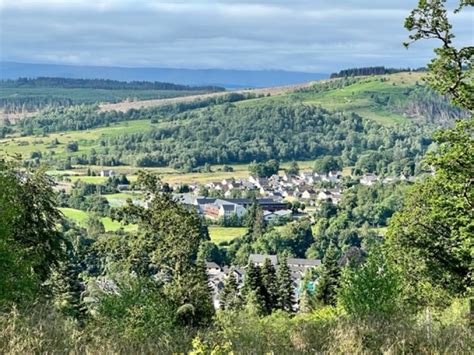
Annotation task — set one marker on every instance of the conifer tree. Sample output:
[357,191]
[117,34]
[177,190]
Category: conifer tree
[252,288]
[258,224]
[66,287]
[230,296]
[255,221]
[306,301]
[269,286]
[285,287]
[328,282]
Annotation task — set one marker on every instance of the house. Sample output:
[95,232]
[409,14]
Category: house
[107,173]
[369,179]
[123,187]
[389,180]
[335,175]
[324,195]
[212,268]
[309,194]
[259,259]
[222,209]
[303,263]
[308,177]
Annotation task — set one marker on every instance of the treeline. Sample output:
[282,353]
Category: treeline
[69,83]
[84,117]
[381,70]
[32,103]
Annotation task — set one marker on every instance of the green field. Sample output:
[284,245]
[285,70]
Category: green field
[358,97]
[217,234]
[86,139]
[225,234]
[80,217]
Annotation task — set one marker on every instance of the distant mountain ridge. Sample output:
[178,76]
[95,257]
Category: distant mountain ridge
[196,77]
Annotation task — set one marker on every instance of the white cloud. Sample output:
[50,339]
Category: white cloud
[311,35]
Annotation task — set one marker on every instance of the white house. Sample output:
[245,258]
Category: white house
[369,179]
[107,173]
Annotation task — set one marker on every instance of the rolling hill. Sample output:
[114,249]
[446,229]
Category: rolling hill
[377,123]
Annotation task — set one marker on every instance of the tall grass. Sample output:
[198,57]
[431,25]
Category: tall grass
[43,330]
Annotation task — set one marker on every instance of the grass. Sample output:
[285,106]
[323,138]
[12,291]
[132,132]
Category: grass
[80,217]
[87,139]
[171,175]
[217,234]
[225,234]
[358,97]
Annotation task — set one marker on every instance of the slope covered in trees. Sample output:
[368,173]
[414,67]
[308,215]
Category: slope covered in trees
[380,124]
[27,95]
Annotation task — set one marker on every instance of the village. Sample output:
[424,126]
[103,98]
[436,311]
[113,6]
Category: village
[282,199]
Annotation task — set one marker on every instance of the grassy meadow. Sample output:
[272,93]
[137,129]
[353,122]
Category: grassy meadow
[80,217]
[217,234]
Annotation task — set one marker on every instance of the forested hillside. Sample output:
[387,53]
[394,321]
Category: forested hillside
[29,95]
[377,124]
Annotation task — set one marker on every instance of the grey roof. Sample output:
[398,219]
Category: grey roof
[204,200]
[212,265]
[260,258]
[228,207]
[305,262]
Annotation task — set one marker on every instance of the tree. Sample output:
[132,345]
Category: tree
[269,286]
[328,283]
[326,164]
[252,287]
[230,295]
[167,242]
[451,70]
[72,147]
[266,169]
[371,289]
[294,169]
[94,225]
[431,237]
[285,287]
[30,242]
[254,221]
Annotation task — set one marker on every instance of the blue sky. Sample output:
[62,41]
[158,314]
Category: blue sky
[303,35]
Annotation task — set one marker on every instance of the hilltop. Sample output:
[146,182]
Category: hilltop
[377,122]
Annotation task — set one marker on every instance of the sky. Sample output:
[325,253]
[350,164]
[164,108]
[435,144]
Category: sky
[319,36]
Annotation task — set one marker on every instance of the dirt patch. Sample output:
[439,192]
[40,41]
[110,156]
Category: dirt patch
[125,106]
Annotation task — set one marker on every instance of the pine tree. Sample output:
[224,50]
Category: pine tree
[328,282]
[230,297]
[254,221]
[269,286]
[197,293]
[306,301]
[258,228]
[285,287]
[252,288]
[66,287]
